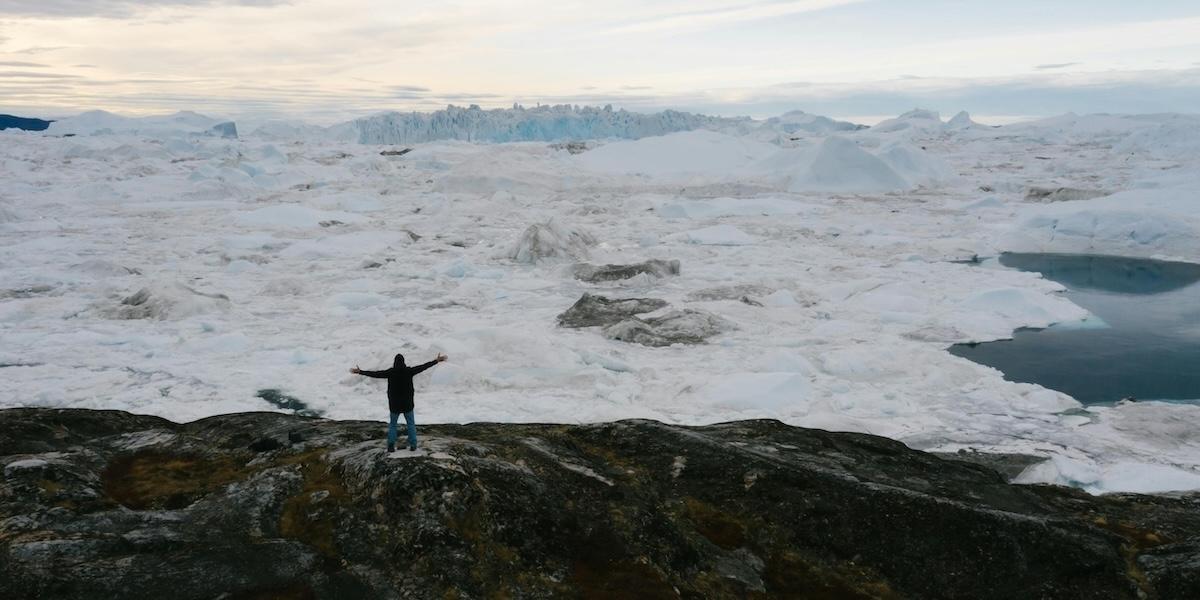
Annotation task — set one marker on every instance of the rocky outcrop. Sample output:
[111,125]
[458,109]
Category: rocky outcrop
[687,326]
[102,504]
[574,147]
[620,321]
[1060,194]
[601,273]
[729,292]
[594,311]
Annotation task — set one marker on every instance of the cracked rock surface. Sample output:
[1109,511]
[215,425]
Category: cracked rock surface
[106,504]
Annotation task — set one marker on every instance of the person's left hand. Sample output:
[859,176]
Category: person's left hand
[356,370]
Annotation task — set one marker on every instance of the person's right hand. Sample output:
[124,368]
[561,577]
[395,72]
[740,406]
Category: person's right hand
[441,357]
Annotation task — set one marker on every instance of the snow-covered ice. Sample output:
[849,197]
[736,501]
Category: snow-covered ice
[153,265]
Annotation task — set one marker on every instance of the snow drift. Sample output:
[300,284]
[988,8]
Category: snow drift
[839,165]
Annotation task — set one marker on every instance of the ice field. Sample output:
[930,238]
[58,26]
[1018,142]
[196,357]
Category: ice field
[157,267]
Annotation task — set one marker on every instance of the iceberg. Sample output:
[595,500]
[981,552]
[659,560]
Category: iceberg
[519,124]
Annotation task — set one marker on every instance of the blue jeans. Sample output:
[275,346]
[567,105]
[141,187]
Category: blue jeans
[412,429]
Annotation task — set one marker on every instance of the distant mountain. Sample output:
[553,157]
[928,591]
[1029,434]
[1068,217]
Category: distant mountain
[520,124]
[12,122]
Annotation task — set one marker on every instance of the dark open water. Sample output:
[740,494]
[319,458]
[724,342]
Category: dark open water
[1149,351]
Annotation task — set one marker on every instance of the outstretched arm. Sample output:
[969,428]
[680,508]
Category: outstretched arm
[419,368]
[376,374]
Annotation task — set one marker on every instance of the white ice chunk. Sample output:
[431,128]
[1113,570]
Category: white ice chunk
[1024,307]
[840,165]
[293,215]
[1143,223]
[775,392]
[717,235]
[361,243]
[1118,476]
[551,241]
[780,298]
[730,207]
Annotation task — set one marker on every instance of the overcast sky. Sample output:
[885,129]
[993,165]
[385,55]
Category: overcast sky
[330,60]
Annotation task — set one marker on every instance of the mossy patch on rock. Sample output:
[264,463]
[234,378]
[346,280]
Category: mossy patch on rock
[717,527]
[153,479]
[620,579]
[1138,540]
[789,576]
[311,516]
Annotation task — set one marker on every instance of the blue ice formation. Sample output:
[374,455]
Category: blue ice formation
[518,124]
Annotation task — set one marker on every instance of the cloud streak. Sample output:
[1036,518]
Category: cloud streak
[110,8]
[1054,66]
[34,75]
[698,20]
[39,49]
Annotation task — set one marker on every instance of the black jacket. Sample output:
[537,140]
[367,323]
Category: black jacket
[400,385]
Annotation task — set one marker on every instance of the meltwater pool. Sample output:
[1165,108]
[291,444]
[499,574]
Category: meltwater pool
[1144,345]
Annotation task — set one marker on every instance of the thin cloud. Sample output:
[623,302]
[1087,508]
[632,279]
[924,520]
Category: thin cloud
[1056,66]
[17,63]
[699,20]
[466,96]
[143,81]
[39,49]
[111,8]
[628,100]
[34,75]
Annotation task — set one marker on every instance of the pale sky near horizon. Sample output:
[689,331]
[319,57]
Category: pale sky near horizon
[331,60]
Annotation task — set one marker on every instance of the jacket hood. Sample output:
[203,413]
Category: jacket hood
[399,361]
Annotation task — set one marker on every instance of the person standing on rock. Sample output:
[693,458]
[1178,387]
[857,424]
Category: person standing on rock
[400,395]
